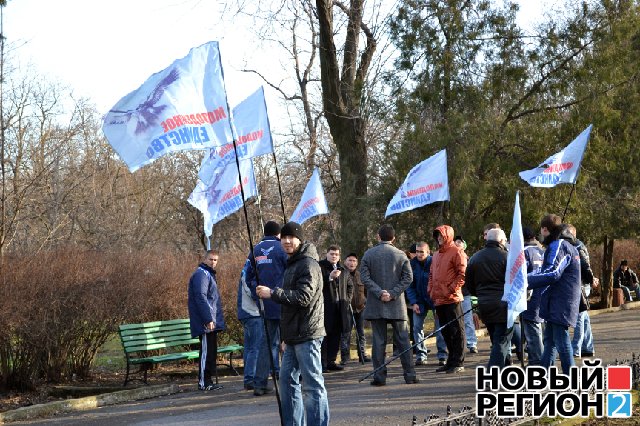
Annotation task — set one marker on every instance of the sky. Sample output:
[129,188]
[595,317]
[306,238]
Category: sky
[106,49]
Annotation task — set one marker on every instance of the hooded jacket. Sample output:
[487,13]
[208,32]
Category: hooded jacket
[301,297]
[417,293]
[447,270]
[560,280]
[204,301]
[271,260]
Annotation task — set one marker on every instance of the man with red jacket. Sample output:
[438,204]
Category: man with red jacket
[445,283]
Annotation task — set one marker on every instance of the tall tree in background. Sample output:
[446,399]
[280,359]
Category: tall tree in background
[342,94]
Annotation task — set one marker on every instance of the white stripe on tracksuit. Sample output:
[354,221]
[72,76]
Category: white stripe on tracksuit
[203,360]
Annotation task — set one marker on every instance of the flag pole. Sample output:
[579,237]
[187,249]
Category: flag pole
[573,187]
[252,257]
[275,163]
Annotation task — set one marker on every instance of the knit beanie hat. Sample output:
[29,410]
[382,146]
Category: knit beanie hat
[292,229]
[271,228]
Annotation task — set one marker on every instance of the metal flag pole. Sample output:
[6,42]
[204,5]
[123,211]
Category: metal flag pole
[573,187]
[416,344]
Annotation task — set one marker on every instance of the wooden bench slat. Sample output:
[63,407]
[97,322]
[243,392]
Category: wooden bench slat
[154,346]
[167,357]
[135,331]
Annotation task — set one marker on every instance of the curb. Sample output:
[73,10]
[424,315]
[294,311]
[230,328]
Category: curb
[86,403]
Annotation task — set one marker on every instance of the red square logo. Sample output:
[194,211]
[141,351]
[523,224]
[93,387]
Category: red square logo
[619,378]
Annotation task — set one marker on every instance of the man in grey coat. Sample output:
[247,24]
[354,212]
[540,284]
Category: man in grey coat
[386,273]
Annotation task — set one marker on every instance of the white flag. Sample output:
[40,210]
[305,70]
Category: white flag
[515,280]
[426,183]
[562,167]
[222,196]
[251,124]
[313,202]
[179,108]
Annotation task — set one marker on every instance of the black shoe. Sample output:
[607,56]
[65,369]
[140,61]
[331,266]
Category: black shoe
[332,366]
[442,368]
[262,391]
[442,361]
[473,350]
[411,380]
[343,361]
[375,382]
[588,354]
[210,387]
[458,369]
[421,362]
[248,386]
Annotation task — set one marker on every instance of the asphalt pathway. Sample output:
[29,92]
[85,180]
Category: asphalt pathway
[617,336]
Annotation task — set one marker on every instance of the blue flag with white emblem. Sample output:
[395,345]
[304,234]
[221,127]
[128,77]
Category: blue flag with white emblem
[562,167]
[180,108]
[426,183]
[515,280]
[313,202]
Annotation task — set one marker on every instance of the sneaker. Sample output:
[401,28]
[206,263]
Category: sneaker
[458,369]
[473,350]
[375,382]
[210,387]
[261,391]
[421,362]
[441,369]
[411,380]
[332,366]
[442,361]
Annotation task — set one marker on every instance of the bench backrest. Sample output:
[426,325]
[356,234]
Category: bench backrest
[156,335]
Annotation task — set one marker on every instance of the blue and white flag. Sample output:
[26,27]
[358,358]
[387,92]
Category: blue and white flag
[179,108]
[562,167]
[515,279]
[251,124]
[313,202]
[426,183]
[222,195]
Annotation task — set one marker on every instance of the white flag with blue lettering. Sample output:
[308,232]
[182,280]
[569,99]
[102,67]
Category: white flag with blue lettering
[251,124]
[426,183]
[562,167]
[222,195]
[180,108]
[313,202]
[515,280]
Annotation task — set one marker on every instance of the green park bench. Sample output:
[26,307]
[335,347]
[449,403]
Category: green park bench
[143,342]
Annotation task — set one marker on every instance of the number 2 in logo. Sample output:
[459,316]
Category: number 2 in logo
[619,404]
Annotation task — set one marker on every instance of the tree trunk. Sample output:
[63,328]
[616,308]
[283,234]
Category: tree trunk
[606,292]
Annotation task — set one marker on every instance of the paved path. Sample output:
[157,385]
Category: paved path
[617,336]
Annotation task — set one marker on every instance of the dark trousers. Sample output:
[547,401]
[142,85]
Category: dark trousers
[501,337]
[208,355]
[331,344]
[345,343]
[379,345]
[453,334]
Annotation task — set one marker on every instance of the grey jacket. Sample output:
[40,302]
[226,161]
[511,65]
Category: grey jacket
[384,267]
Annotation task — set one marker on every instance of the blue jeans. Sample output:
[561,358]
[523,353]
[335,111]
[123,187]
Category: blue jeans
[556,342]
[500,343]
[263,368]
[418,336]
[253,332]
[308,400]
[582,337]
[533,336]
[469,326]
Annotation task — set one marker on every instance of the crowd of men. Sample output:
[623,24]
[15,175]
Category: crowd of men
[299,312]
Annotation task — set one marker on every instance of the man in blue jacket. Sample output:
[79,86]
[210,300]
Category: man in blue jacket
[271,261]
[205,316]
[560,279]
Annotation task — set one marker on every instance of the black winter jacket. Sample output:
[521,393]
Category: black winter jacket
[485,279]
[301,297]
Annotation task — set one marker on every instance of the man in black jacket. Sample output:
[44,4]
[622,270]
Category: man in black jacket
[302,330]
[485,279]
